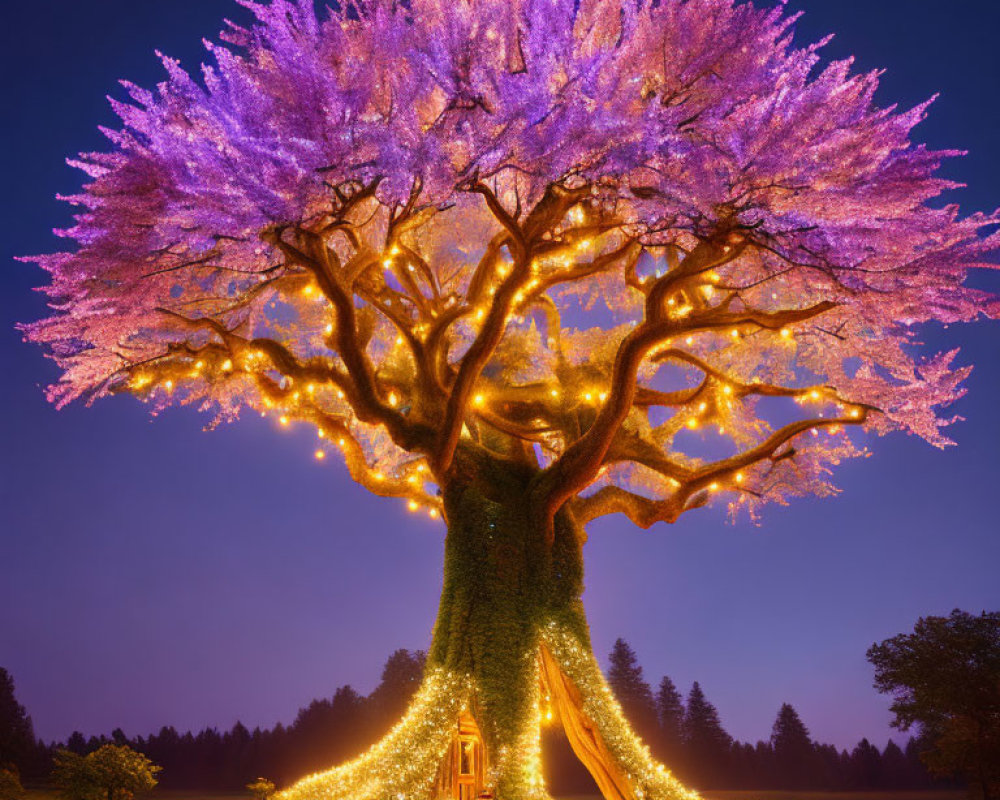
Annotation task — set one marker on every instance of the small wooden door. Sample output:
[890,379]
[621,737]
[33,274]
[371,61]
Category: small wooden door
[468,759]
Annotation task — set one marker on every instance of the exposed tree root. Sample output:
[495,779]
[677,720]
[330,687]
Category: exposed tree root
[598,732]
[403,765]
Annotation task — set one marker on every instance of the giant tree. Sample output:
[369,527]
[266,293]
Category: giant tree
[522,264]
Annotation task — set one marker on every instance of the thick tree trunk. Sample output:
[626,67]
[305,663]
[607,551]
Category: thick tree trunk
[510,638]
[502,585]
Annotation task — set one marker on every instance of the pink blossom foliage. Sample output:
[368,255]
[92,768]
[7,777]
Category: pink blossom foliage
[684,121]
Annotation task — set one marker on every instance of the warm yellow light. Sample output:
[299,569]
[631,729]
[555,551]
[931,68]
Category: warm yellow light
[320,455]
[433,513]
[478,400]
[387,263]
[692,423]
[311,388]
[588,397]
[554,392]
[814,394]
[734,333]
[413,505]
[320,433]
[786,333]
[702,407]
[283,419]
[399,341]
[199,365]
[393,399]
[739,477]
[855,413]
[480,313]
[329,329]
[727,389]
[713,487]
[603,396]
[169,385]
[689,340]
[227,365]
[394,251]
[377,475]
[341,442]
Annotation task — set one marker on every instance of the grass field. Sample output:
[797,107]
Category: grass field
[763,795]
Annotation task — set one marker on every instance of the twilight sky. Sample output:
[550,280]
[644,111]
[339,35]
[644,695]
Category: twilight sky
[152,573]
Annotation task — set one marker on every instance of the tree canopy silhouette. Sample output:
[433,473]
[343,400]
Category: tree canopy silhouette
[522,264]
[945,678]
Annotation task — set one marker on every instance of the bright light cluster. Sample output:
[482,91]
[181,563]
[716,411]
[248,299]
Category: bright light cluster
[404,763]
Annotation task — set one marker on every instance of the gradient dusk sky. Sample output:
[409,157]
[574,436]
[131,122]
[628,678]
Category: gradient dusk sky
[154,574]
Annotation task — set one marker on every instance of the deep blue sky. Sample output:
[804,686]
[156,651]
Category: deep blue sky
[152,573]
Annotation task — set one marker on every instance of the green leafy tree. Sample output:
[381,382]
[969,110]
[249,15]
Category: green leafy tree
[10,784]
[261,788]
[112,772]
[945,678]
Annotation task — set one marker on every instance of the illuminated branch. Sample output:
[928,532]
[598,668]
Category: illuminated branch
[709,478]
[368,404]
[550,209]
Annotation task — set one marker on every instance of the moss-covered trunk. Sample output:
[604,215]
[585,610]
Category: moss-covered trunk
[502,583]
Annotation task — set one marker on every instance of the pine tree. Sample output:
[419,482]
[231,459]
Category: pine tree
[794,752]
[17,735]
[633,693]
[400,678]
[866,766]
[670,715]
[705,739]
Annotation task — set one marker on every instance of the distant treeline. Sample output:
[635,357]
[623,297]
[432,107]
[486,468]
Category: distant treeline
[685,733]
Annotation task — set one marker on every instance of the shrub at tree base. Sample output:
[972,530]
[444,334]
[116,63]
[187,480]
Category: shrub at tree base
[112,772]
[522,264]
[261,788]
[10,785]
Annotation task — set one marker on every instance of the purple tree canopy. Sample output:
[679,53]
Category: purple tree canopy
[656,250]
